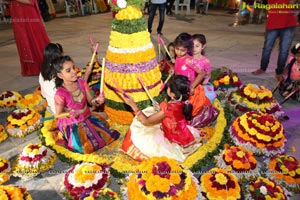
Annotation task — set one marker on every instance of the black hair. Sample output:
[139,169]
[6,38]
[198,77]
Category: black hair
[57,68]
[296,49]
[201,38]
[185,40]
[51,52]
[180,86]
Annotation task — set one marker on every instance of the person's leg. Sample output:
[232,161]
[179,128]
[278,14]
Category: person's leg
[286,38]
[152,11]
[162,8]
[270,39]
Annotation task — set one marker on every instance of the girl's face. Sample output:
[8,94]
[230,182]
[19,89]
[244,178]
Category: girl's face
[198,47]
[170,94]
[180,51]
[68,72]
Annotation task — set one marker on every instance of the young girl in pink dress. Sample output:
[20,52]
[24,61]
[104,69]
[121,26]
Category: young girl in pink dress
[292,71]
[167,132]
[186,65]
[84,131]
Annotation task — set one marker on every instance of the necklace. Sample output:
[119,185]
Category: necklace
[76,93]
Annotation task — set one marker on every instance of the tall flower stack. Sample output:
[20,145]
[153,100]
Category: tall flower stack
[81,179]
[22,122]
[161,178]
[3,133]
[259,132]
[9,100]
[33,160]
[219,184]
[266,189]
[14,193]
[239,161]
[285,169]
[251,97]
[130,55]
[34,101]
[4,170]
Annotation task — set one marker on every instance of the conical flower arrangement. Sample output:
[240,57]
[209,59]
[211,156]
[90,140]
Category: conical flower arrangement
[130,55]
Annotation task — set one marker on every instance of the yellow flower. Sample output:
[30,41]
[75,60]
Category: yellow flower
[221,178]
[216,83]
[235,79]
[240,154]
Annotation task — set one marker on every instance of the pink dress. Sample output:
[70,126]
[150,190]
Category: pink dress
[30,36]
[88,132]
[204,64]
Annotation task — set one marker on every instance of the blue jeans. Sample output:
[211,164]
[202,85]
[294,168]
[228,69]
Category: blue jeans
[286,36]
[161,8]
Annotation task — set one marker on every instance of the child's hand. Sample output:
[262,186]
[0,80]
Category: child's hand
[74,114]
[128,100]
[173,60]
[100,99]
[192,91]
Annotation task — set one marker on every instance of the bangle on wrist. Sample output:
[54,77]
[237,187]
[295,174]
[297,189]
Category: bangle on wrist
[137,112]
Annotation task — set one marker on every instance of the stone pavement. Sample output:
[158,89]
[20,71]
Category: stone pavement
[237,47]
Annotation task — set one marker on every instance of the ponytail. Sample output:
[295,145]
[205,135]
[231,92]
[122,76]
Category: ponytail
[187,110]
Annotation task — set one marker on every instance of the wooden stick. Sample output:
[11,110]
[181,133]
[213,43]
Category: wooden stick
[91,41]
[276,86]
[145,88]
[158,39]
[94,54]
[102,76]
[165,47]
[62,115]
[164,84]
[290,95]
[118,87]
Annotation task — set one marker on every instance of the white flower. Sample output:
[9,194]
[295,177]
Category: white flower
[121,3]
[263,190]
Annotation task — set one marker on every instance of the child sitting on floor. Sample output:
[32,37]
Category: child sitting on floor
[292,70]
[85,131]
[167,132]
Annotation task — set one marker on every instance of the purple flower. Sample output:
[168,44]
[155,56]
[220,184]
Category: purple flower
[162,169]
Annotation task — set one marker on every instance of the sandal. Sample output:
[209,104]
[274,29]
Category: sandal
[258,72]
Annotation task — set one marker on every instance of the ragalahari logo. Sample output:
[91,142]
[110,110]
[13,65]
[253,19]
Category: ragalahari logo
[246,8]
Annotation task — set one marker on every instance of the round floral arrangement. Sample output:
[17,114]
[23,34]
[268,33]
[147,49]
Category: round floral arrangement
[34,159]
[85,177]
[4,171]
[105,194]
[219,184]
[3,133]
[252,97]
[161,178]
[34,101]
[285,169]
[259,132]
[238,160]
[22,122]
[9,100]
[266,189]
[224,78]
[14,193]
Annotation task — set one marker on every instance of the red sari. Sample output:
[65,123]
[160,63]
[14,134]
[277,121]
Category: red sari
[30,36]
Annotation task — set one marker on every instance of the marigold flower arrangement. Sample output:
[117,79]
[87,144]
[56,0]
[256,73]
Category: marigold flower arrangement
[105,194]
[33,160]
[252,97]
[161,178]
[84,178]
[9,100]
[239,160]
[266,189]
[219,184]
[33,101]
[14,193]
[4,170]
[285,169]
[22,122]
[224,78]
[3,133]
[95,74]
[259,132]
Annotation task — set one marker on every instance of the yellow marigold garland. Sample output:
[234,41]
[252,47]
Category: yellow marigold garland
[138,57]
[129,13]
[120,40]
[9,100]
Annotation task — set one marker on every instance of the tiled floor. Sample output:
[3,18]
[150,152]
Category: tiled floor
[238,48]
